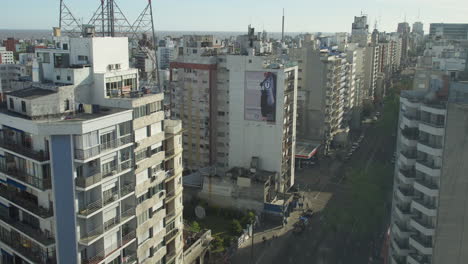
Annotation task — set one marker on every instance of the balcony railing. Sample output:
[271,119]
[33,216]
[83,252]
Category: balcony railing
[23,150]
[92,207]
[171,234]
[423,223]
[111,249]
[34,233]
[427,184]
[429,164]
[43,184]
[28,252]
[83,154]
[96,177]
[24,202]
[436,124]
[430,144]
[426,204]
[131,257]
[427,243]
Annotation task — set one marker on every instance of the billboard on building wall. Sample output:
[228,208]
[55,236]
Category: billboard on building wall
[260,96]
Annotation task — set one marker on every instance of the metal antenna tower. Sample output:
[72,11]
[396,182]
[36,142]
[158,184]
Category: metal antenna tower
[68,24]
[147,44]
[109,20]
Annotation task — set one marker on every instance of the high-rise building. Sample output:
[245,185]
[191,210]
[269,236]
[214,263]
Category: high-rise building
[418,28]
[449,31]
[360,31]
[324,94]
[429,194]
[404,31]
[10,44]
[90,168]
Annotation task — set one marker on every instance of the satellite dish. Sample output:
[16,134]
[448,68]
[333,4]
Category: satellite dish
[200,212]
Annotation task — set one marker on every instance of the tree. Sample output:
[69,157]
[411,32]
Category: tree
[235,227]
[195,226]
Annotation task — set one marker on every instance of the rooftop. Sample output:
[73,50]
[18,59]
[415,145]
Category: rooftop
[31,93]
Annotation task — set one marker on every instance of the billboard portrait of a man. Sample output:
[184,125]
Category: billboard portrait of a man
[260,96]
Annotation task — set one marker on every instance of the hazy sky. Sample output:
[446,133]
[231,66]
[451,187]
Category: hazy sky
[235,15]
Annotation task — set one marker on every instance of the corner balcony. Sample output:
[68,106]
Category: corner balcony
[408,158]
[427,167]
[23,201]
[405,195]
[400,247]
[410,121]
[424,207]
[84,154]
[403,212]
[423,246]
[406,176]
[418,259]
[399,229]
[426,187]
[22,150]
[422,226]
[21,245]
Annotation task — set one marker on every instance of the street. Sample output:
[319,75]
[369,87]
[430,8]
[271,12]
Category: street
[322,186]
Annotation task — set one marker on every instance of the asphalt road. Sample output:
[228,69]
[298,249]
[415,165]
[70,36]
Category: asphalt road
[322,186]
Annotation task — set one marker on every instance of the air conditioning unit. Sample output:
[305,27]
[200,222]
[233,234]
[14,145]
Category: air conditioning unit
[153,178]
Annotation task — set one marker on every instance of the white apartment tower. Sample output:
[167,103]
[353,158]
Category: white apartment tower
[430,184]
[90,169]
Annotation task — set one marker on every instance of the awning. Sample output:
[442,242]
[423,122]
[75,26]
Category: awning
[306,150]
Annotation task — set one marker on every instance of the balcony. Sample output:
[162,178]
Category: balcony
[429,148]
[170,257]
[25,249]
[29,231]
[106,252]
[424,246]
[433,128]
[401,230]
[405,195]
[89,236]
[410,121]
[96,177]
[418,259]
[18,148]
[426,187]
[428,167]
[170,235]
[424,207]
[400,247]
[406,176]
[94,206]
[403,212]
[25,202]
[408,158]
[84,154]
[422,226]
[40,183]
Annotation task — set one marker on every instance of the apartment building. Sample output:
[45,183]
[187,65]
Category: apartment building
[6,57]
[90,169]
[326,84]
[360,31]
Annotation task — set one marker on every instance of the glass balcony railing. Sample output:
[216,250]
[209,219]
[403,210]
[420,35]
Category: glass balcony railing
[96,177]
[40,183]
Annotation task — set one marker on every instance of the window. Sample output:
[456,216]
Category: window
[65,46]
[83,58]
[140,155]
[67,105]
[125,128]
[23,106]
[12,104]
[68,78]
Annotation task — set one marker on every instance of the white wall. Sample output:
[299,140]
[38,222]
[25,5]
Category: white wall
[253,138]
[106,50]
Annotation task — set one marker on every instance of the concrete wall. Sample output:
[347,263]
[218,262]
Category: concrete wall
[253,138]
[451,242]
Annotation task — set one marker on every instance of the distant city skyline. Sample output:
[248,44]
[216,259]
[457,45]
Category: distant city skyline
[211,15]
